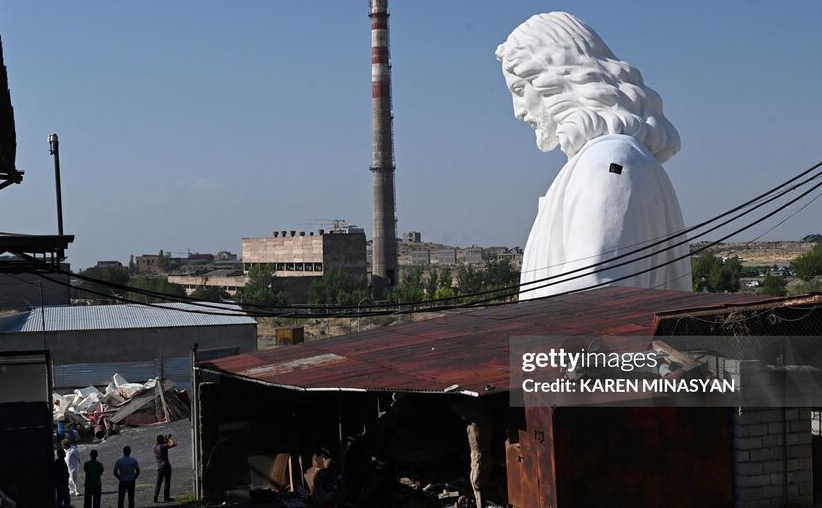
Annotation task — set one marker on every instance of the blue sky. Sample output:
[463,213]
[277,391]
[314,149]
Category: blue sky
[189,125]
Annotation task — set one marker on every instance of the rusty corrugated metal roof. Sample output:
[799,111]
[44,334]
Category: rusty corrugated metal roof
[468,349]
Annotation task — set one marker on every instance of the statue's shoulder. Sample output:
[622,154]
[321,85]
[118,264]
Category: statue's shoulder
[610,152]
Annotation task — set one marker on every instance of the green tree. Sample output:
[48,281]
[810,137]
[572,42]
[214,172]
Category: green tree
[113,275]
[469,280]
[711,273]
[410,288]
[499,274]
[774,285]
[808,265]
[260,288]
[336,287]
[432,283]
[157,285]
[444,292]
[446,278]
[210,294]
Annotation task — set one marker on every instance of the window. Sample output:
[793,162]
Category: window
[318,267]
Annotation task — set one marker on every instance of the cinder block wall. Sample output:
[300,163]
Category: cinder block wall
[772,456]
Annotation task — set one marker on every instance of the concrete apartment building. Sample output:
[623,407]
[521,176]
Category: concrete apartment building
[227,279]
[300,258]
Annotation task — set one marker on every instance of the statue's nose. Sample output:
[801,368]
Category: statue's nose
[519,109]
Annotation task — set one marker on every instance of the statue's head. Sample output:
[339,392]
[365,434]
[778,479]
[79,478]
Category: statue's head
[568,85]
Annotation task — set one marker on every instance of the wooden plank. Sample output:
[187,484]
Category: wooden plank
[540,428]
[529,476]
[513,466]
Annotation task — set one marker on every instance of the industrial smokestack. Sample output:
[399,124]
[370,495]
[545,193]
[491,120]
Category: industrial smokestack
[384,248]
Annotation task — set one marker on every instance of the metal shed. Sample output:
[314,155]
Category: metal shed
[333,393]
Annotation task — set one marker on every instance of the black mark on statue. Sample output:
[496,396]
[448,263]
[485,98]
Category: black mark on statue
[615,168]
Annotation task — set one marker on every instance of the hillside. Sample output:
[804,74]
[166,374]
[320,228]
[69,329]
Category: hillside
[759,253]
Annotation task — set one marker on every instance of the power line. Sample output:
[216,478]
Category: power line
[388,308]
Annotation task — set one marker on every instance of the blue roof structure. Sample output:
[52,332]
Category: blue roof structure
[109,317]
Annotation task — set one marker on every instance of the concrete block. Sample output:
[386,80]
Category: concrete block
[760,429]
[806,463]
[799,451]
[776,453]
[748,443]
[772,491]
[776,427]
[803,425]
[773,466]
[749,469]
[749,493]
[804,475]
[763,454]
[772,440]
[747,417]
[776,479]
[792,439]
[760,480]
[805,488]
[793,465]
[742,455]
[792,413]
[803,438]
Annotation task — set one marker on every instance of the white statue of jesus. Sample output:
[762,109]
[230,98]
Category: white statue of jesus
[612,196]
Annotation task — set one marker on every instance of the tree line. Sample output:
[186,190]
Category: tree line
[714,274]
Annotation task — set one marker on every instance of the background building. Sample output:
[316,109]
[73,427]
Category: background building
[297,259]
[446,256]
[412,237]
[226,279]
[420,257]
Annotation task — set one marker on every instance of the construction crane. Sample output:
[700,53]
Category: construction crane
[337,225]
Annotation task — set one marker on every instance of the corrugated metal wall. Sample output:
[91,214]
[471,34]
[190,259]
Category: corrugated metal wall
[79,375]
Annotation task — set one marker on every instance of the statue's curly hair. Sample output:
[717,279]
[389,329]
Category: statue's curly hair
[587,90]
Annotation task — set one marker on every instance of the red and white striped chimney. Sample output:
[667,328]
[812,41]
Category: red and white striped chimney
[384,247]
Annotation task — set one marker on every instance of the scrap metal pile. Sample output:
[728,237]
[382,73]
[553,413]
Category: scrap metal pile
[121,403]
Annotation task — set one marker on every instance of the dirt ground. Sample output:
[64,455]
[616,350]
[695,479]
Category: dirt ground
[142,441]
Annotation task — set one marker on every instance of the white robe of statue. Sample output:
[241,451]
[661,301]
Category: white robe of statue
[613,196]
[591,214]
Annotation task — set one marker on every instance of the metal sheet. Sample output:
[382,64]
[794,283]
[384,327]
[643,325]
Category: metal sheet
[469,349]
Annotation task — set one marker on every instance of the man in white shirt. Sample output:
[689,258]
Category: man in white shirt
[73,464]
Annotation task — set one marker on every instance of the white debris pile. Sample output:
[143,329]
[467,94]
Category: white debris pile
[90,401]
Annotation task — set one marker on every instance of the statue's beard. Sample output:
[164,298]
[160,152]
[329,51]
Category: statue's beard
[546,132]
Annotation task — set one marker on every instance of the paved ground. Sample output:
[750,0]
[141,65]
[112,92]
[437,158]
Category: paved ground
[142,441]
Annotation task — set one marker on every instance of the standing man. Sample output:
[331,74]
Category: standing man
[163,466]
[126,469]
[73,464]
[93,484]
[61,478]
